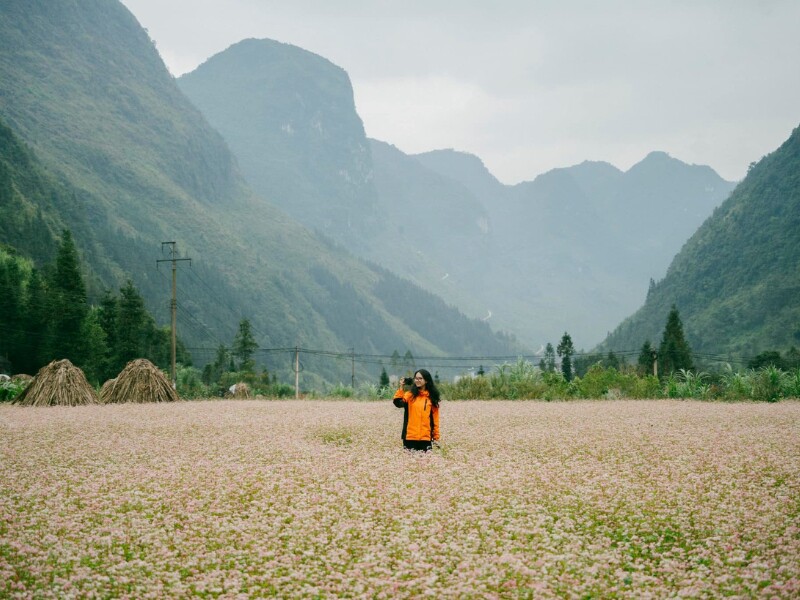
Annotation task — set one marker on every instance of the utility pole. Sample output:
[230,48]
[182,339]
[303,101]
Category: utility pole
[296,373]
[174,304]
[353,368]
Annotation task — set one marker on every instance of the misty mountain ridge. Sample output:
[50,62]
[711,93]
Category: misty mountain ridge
[574,249]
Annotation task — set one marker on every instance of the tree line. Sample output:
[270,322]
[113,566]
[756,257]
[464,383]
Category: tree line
[45,316]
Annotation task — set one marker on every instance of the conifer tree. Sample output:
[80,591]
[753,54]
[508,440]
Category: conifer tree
[565,350]
[244,344]
[107,317]
[646,358]
[674,353]
[36,318]
[408,361]
[221,361]
[11,309]
[548,363]
[68,308]
[96,365]
[132,326]
[384,379]
[612,361]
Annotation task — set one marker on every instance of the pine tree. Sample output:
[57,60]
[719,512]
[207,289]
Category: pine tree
[68,308]
[95,366]
[548,363]
[132,327]
[384,379]
[107,316]
[36,320]
[674,353]
[213,371]
[647,356]
[244,344]
[408,361]
[11,310]
[565,351]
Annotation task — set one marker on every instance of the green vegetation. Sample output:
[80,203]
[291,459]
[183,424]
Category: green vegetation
[736,280]
[674,353]
[523,381]
[565,350]
[244,344]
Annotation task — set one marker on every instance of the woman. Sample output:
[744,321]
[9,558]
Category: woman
[421,411]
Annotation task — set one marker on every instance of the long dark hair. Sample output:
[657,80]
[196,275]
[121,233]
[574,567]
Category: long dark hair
[433,392]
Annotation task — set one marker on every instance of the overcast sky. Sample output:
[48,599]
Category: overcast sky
[531,85]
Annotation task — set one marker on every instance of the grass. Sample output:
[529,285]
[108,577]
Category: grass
[584,499]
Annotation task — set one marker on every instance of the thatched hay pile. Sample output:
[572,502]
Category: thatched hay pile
[237,390]
[242,390]
[58,384]
[139,382]
[104,389]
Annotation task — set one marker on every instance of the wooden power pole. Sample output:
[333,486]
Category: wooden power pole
[174,304]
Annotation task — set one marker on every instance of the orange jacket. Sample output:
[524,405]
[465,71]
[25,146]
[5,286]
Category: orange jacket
[421,418]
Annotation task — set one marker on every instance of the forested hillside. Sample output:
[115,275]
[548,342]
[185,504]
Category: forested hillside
[736,282]
[27,194]
[133,164]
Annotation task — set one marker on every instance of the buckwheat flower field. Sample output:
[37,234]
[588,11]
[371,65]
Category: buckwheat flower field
[595,499]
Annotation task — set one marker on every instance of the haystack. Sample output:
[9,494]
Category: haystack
[242,390]
[104,388]
[139,382]
[58,384]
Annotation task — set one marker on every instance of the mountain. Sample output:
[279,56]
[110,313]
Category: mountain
[84,92]
[572,250]
[318,168]
[584,241]
[736,281]
[467,169]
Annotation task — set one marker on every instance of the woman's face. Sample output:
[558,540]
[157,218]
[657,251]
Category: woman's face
[419,381]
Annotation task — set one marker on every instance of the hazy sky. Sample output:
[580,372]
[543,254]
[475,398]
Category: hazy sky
[531,85]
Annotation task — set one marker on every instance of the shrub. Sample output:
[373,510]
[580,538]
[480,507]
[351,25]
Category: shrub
[341,391]
[468,388]
[281,390]
[768,384]
[190,383]
[792,385]
[10,390]
[597,382]
[735,385]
